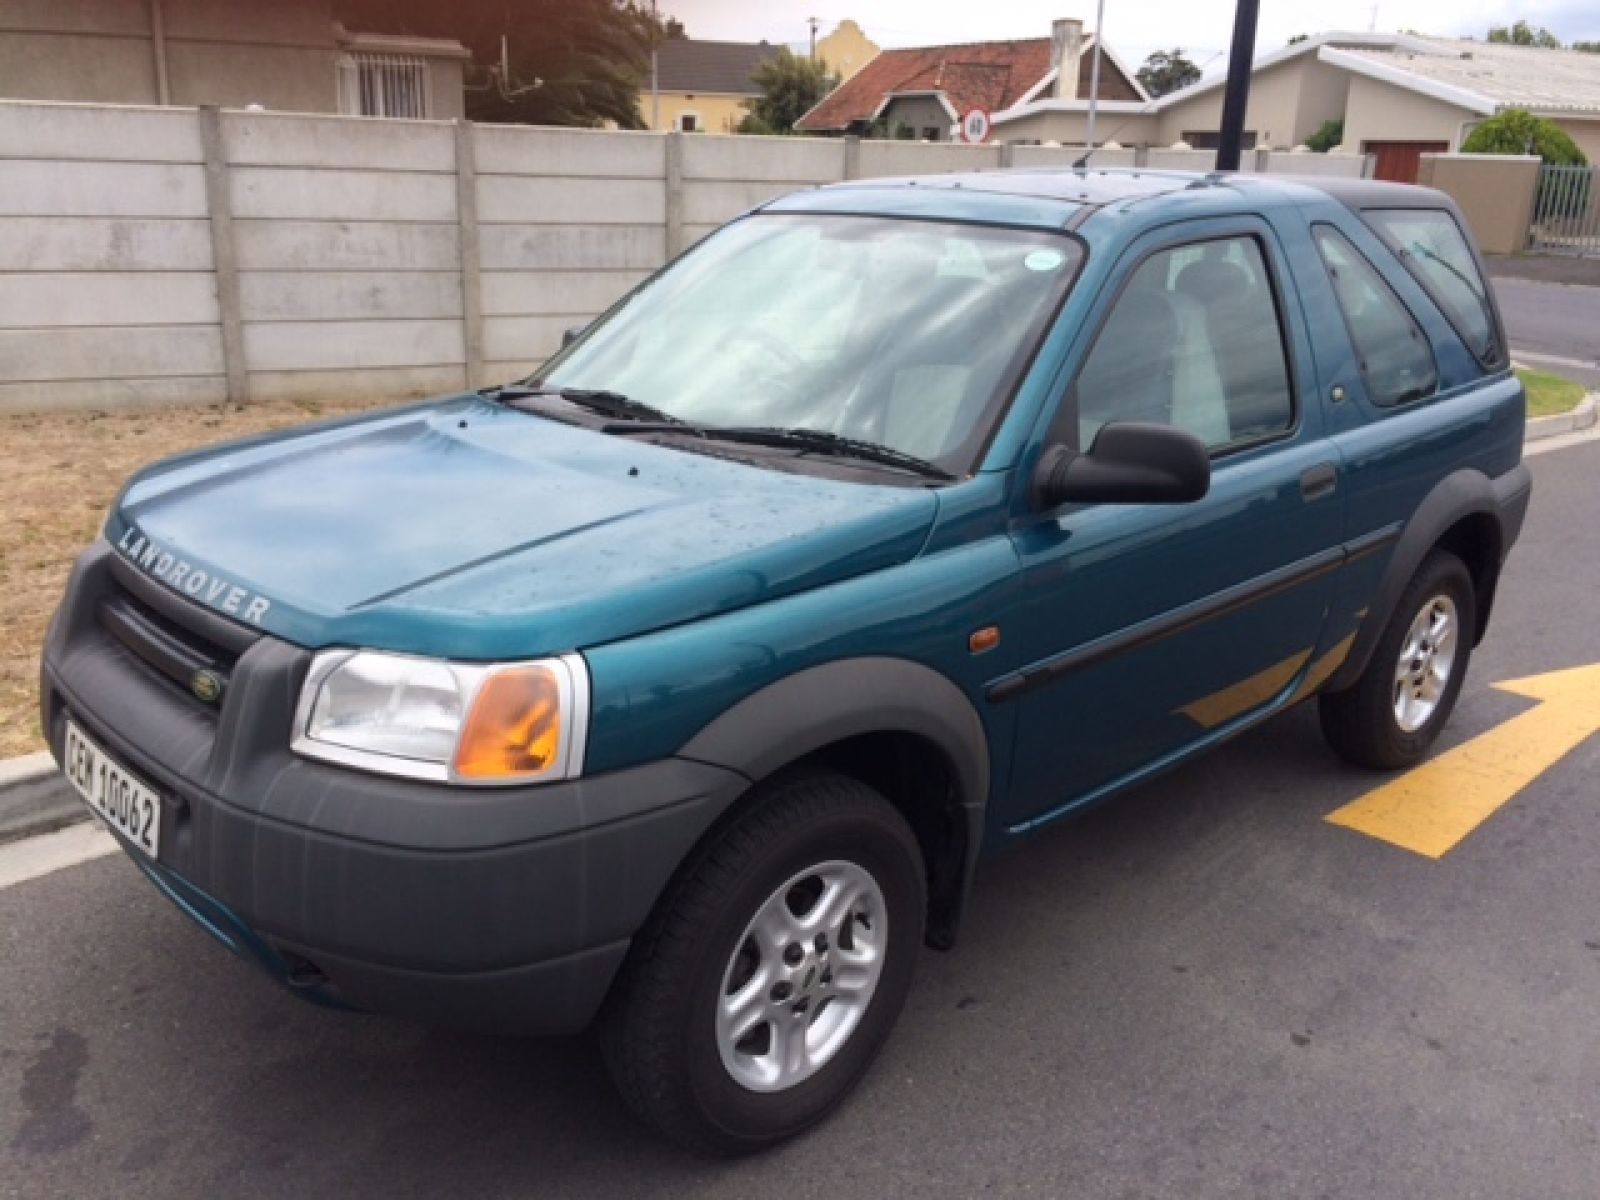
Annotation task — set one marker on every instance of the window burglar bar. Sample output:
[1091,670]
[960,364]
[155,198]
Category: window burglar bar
[384,85]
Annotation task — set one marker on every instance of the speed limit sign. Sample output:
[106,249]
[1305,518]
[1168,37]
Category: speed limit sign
[975,126]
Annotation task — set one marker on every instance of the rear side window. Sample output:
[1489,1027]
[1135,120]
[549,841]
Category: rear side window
[1396,360]
[1193,341]
[1431,245]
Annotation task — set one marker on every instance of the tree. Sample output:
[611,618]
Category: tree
[1586,47]
[790,87]
[1517,131]
[542,62]
[1523,34]
[1330,135]
[1167,71]
[1298,38]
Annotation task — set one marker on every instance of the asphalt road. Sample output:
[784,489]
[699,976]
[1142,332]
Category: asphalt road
[1553,326]
[1202,990]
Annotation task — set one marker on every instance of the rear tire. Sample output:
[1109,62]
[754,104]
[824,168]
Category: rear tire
[1391,716]
[814,853]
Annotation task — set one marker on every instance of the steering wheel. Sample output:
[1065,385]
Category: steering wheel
[781,384]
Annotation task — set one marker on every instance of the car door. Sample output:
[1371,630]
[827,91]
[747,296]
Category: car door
[1152,629]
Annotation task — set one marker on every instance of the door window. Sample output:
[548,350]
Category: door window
[1396,360]
[1193,341]
[1430,244]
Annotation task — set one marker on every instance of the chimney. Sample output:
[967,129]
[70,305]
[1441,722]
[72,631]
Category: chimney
[1066,48]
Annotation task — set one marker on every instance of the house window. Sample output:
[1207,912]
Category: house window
[383,85]
[1209,139]
[930,133]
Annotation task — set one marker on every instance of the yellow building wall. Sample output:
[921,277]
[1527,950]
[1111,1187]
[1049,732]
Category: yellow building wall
[718,113]
[1288,103]
[1380,112]
[846,50]
[1586,134]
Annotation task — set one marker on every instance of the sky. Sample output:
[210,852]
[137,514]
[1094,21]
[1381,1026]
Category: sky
[1203,28]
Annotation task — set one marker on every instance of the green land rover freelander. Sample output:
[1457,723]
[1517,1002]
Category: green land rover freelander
[680,686]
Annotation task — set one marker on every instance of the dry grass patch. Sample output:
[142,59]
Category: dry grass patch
[58,475]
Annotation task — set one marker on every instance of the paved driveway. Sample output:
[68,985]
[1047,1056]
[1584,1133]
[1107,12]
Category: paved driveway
[1552,325]
[1203,990]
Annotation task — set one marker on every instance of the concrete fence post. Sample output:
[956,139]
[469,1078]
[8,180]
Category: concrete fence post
[1008,155]
[852,157]
[219,204]
[1141,157]
[471,255]
[674,194]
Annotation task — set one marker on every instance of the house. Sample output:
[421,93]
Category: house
[702,86]
[289,55]
[847,49]
[1399,96]
[927,89]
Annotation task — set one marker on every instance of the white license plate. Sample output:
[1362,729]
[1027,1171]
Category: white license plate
[123,802]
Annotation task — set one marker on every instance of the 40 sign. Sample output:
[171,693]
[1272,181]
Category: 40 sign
[975,127]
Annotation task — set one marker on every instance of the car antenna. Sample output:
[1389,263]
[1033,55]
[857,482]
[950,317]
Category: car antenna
[1083,159]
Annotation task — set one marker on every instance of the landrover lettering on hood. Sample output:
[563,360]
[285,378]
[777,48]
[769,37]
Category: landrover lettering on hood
[183,576]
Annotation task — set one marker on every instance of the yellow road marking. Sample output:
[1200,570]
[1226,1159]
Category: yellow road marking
[1430,809]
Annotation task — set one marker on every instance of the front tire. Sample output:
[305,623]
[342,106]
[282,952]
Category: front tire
[771,973]
[1390,717]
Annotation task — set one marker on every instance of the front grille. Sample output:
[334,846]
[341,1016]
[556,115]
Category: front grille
[187,647]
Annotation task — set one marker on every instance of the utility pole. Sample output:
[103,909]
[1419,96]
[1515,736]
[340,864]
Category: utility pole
[655,74]
[1094,73]
[813,22]
[1236,97]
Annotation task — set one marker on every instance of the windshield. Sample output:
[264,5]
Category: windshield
[907,334]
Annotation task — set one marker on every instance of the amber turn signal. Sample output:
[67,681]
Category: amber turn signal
[514,727]
[983,639]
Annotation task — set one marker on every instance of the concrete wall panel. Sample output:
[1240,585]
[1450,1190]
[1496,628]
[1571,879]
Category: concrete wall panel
[308,194]
[780,160]
[713,203]
[324,345]
[54,131]
[527,339]
[541,200]
[153,351]
[572,247]
[346,246]
[42,300]
[536,150]
[110,395]
[104,244]
[276,140]
[529,293]
[35,187]
[395,385]
[343,295]
[924,158]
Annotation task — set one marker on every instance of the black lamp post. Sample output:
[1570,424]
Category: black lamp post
[1237,95]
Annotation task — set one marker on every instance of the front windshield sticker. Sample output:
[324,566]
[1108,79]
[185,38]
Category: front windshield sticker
[1044,260]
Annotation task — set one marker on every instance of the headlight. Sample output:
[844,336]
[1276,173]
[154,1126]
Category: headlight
[474,723]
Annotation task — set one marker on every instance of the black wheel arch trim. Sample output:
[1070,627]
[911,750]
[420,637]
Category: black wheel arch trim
[1462,494]
[832,702]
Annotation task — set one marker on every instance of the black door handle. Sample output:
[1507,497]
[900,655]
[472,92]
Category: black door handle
[1319,481]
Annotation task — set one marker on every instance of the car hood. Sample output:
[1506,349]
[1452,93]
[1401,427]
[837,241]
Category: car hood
[466,529]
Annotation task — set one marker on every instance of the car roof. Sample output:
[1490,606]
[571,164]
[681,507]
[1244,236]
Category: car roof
[1066,197]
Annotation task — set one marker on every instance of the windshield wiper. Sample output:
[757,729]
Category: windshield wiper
[598,400]
[810,441]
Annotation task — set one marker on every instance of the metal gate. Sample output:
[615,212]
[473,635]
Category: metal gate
[1566,211]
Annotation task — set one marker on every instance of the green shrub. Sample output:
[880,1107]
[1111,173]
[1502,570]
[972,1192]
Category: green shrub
[1517,131]
[1330,135]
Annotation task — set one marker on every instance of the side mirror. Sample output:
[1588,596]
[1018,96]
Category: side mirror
[568,336]
[1129,463]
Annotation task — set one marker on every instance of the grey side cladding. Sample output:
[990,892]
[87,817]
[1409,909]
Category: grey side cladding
[1466,493]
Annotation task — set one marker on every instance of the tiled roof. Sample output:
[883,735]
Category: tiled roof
[691,65]
[989,75]
[1509,76]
